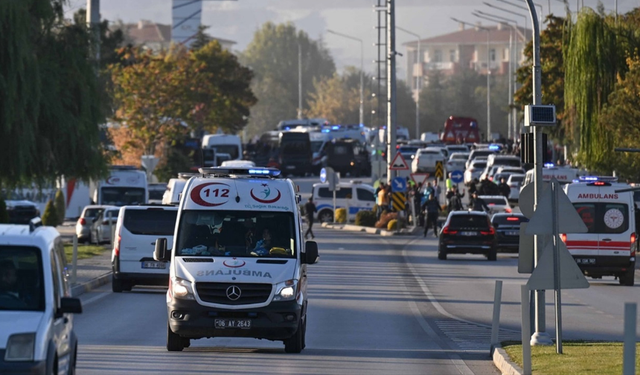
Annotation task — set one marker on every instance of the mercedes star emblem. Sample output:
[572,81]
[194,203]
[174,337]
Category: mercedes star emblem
[233,292]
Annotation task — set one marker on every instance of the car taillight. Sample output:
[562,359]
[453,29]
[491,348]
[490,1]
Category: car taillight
[491,231]
[563,237]
[116,249]
[82,221]
[446,230]
[633,246]
[508,210]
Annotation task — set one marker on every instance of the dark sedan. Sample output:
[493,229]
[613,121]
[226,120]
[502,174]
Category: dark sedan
[508,230]
[467,232]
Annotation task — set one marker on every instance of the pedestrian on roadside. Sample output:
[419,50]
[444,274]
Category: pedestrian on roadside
[505,190]
[432,208]
[309,210]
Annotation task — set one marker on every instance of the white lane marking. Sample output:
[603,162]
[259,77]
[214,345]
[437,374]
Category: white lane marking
[94,299]
[455,359]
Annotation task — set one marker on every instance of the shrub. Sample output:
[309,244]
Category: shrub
[385,218]
[4,214]
[341,215]
[61,207]
[50,217]
[366,218]
[392,224]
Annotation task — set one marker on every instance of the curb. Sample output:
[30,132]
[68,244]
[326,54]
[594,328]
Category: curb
[382,232]
[502,361]
[90,285]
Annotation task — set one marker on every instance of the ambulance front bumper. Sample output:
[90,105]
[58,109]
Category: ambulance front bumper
[276,321]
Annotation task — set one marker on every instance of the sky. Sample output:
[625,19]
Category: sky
[238,20]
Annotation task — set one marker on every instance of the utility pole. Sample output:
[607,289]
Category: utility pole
[93,21]
[299,81]
[540,337]
[391,88]
[418,79]
[489,87]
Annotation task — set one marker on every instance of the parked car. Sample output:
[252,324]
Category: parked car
[479,152]
[507,226]
[467,232]
[137,229]
[85,221]
[514,182]
[36,313]
[21,211]
[457,148]
[102,224]
[425,160]
[474,170]
[496,203]
[457,161]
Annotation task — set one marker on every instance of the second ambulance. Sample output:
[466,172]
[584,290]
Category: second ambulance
[609,248]
[238,263]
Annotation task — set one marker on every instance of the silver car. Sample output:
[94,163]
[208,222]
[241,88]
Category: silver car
[83,225]
[103,224]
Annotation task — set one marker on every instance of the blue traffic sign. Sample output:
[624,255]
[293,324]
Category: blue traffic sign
[399,185]
[323,175]
[457,176]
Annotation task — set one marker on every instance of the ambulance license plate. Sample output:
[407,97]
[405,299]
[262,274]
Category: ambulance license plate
[232,323]
[154,265]
[586,261]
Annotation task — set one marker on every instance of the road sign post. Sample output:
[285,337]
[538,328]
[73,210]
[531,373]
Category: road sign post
[556,269]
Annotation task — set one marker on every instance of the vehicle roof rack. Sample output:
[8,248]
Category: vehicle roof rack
[240,171]
[34,223]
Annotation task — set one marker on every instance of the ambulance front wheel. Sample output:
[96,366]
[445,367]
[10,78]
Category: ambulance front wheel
[325,216]
[174,341]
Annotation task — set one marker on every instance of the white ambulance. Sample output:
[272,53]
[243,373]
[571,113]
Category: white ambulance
[238,263]
[609,248]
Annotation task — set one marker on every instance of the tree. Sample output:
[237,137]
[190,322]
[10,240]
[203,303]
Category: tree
[553,75]
[338,98]
[60,206]
[50,217]
[201,39]
[621,117]
[272,55]
[591,65]
[49,122]
[162,97]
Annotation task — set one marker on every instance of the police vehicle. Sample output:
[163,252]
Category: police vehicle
[238,263]
[354,195]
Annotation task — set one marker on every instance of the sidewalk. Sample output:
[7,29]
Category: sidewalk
[91,273]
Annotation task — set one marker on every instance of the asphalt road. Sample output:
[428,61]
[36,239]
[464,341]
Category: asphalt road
[367,315]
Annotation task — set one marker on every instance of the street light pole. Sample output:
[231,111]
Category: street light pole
[418,79]
[299,81]
[488,135]
[361,70]
[93,21]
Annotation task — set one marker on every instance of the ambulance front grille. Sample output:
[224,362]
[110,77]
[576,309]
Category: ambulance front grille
[218,293]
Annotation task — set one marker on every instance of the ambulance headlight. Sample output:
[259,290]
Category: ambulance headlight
[20,347]
[181,288]
[286,291]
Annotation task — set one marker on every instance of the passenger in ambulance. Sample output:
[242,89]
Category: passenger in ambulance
[264,245]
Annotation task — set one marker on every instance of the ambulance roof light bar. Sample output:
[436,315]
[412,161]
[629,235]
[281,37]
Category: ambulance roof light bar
[241,171]
[598,178]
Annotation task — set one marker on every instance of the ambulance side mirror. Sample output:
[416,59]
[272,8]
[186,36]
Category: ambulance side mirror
[160,252]
[310,256]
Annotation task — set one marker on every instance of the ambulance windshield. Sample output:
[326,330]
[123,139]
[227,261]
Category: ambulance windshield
[236,234]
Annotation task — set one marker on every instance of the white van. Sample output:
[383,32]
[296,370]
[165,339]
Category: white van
[224,144]
[355,195]
[125,185]
[564,175]
[238,261]
[36,321]
[174,188]
[609,248]
[132,255]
